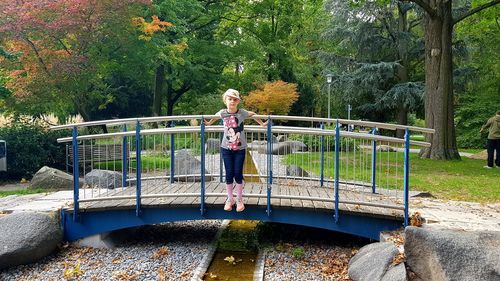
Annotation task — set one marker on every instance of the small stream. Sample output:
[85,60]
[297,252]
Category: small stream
[236,253]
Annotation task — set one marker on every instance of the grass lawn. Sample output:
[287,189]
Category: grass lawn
[148,163]
[465,180]
[21,192]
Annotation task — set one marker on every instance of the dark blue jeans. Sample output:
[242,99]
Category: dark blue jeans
[233,162]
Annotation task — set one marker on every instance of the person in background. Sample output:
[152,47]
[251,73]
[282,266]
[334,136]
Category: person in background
[493,126]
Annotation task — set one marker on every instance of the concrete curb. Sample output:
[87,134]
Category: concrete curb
[205,262]
[258,274]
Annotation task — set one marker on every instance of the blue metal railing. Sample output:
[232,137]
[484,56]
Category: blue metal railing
[269,158]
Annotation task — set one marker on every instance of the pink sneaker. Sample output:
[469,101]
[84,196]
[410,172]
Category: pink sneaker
[229,205]
[240,206]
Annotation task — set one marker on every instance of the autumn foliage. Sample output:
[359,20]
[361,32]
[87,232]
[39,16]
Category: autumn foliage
[273,98]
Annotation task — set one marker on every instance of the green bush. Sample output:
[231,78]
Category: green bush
[29,147]
[298,253]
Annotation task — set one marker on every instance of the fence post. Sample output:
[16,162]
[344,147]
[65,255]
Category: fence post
[337,161]
[172,153]
[124,158]
[269,164]
[138,168]
[406,173]
[76,175]
[202,141]
[322,173]
[374,160]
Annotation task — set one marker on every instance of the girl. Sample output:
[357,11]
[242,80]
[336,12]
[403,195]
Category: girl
[233,145]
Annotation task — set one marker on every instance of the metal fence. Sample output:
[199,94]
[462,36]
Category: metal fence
[152,155]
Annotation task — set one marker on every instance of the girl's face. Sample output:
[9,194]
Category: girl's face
[232,102]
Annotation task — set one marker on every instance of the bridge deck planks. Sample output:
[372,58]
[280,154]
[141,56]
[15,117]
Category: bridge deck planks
[345,194]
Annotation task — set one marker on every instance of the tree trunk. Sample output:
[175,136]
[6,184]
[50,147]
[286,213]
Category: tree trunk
[439,83]
[158,92]
[402,70]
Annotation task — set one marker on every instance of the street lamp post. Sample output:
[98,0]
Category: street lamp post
[329,81]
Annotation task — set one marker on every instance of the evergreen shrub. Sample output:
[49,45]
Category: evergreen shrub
[30,147]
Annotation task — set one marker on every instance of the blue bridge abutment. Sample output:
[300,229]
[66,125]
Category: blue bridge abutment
[95,222]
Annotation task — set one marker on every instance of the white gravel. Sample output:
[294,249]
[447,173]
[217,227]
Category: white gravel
[169,251]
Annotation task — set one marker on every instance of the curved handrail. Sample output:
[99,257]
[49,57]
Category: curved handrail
[250,128]
[116,122]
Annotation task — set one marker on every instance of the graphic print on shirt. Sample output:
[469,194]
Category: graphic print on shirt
[232,132]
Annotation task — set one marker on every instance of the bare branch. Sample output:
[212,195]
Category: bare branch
[475,10]
[425,5]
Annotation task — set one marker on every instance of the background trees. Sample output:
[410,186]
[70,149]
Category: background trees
[111,59]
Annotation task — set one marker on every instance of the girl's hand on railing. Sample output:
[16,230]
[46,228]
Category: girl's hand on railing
[210,122]
[260,122]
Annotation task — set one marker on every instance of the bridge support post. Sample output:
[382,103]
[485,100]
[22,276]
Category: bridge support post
[124,158]
[172,153]
[202,146]
[322,148]
[374,160]
[406,181]
[337,162]
[76,174]
[138,168]
[269,164]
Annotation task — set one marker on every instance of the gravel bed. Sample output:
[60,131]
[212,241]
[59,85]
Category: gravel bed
[318,262]
[169,251]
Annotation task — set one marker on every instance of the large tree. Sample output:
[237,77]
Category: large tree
[438,23]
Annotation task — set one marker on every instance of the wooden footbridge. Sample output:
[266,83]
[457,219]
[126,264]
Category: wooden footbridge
[311,173]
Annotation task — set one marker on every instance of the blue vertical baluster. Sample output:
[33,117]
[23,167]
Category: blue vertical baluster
[76,175]
[337,162]
[322,148]
[172,153]
[374,160]
[269,164]
[202,141]
[138,168]
[406,173]
[124,158]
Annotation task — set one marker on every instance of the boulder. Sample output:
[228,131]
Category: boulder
[296,171]
[103,179]
[212,146]
[50,178]
[284,148]
[28,237]
[373,262]
[187,164]
[386,148]
[437,254]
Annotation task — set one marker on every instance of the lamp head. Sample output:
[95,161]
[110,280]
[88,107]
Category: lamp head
[329,78]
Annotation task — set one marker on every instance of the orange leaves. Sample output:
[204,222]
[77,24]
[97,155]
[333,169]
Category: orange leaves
[150,28]
[273,98]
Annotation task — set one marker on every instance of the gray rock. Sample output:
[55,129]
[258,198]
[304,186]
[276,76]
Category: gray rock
[212,146]
[396,273]
[436,254]
[28,237]
[50,178]
[103,179]
[373,262]
[386,148]
[295,171]
[187,164]
[283,148]
[281,138]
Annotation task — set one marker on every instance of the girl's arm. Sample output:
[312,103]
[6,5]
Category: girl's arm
[258,120]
